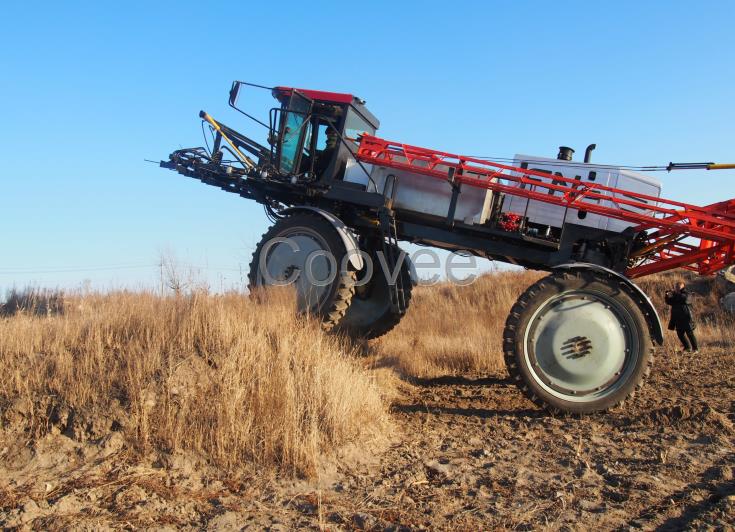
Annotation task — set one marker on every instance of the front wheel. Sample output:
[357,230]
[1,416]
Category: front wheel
[575,342]
[305,251]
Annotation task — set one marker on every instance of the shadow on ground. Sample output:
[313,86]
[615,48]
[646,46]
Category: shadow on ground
[468,412]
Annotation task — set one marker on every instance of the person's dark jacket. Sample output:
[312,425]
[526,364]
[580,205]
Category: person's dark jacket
[681,312]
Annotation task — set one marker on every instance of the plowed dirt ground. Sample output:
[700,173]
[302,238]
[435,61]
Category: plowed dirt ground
[468,453]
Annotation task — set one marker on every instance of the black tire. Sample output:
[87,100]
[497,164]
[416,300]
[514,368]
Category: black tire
[576,342]
[311,232]
[370,314]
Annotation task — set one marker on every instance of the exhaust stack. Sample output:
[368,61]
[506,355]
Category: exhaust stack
[565,153]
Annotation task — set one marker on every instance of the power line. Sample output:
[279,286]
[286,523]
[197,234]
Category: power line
[22,271]
[19,271]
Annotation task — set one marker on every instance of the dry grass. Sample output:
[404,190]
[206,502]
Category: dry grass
[453,329]
[233,379]
[241,380]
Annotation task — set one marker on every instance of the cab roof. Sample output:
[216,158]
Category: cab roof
[282,93]
[336,97]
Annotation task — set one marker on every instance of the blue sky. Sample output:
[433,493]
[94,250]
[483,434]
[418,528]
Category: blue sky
[90,91]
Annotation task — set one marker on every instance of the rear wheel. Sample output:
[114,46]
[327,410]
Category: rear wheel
[370,314]
[576,342]
[306,252]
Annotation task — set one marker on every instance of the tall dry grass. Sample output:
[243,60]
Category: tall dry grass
[236,380]
[452,329]
[244,380]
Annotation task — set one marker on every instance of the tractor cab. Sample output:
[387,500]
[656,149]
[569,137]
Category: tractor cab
[318,131]
[314,133]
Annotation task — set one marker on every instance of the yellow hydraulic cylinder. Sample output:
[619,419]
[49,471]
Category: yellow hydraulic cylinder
[243,158]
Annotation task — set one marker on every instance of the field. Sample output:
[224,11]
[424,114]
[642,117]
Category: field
[219,411]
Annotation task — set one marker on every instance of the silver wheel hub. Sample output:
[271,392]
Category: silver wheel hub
[579,346]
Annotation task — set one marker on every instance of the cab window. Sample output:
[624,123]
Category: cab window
[306,154]
[293,131]
[321,137]
[356,125]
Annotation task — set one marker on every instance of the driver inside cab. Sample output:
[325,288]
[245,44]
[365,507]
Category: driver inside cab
[324,157]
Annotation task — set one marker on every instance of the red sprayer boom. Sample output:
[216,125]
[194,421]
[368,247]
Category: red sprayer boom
[697,238]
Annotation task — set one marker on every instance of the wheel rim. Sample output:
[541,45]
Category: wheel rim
[581,346]
[304,262]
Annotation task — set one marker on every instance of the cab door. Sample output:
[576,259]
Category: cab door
[292,132]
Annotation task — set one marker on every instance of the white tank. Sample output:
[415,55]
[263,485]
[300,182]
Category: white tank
[555,215]
[423,194]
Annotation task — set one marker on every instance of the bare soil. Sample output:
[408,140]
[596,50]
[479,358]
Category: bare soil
[468,453]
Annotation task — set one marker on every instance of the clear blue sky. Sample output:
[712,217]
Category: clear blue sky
[89,92]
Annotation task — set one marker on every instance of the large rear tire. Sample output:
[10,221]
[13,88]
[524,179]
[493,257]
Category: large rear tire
[576,342]
[370,313]
[296,251]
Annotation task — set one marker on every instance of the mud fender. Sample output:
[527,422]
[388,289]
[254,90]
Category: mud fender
[638,295]
[349,240]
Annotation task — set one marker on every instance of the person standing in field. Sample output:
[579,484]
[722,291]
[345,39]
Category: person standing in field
[682,319]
